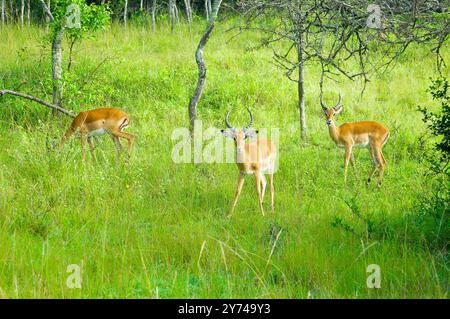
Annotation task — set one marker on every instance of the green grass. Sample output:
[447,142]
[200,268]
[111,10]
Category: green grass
[138,230]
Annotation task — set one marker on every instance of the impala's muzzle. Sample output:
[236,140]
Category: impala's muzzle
[329,122]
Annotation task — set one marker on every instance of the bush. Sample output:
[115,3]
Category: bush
[432,216]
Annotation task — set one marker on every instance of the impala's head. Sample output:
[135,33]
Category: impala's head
[239,136]
[331,112]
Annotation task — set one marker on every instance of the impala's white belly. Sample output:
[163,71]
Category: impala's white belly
[266,166]
[361,141]
[99,131]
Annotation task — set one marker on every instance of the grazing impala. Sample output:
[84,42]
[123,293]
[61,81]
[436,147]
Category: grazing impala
[98,122]
[257,157]
[367,133]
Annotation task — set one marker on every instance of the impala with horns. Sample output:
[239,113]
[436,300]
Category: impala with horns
[256,157]
[369,134]
[98,122]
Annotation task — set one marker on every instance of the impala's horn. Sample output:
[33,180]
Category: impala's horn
[251,120]
[228,123]
[321,102]
[338,105]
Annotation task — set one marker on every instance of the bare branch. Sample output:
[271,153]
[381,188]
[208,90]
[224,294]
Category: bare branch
[47,10]
[38,100]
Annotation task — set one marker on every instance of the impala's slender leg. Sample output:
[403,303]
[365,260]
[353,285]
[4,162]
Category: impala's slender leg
[126,136]
[91,147]
[263,186]
[238,192]
[272,192]
[381,164]
[83,139]
[375,164]
[118,145]
[348,155]
[258,190]
[382,156]
[353,162]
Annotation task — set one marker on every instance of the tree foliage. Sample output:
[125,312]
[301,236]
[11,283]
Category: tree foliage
[439,124]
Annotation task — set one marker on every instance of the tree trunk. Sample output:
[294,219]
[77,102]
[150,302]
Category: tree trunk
[22,12]
[177,17]
[47,18]
[201,67]
[207,9]
[301,88]
[172,14]
[141,7]
[57,67]
[187,4]
[11,12]
[153,15]
[3,11]
[125,13]
[28,12]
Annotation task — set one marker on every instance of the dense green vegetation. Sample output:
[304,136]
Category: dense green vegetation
[153,228]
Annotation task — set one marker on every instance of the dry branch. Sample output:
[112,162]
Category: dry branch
[47,10]
[38,100]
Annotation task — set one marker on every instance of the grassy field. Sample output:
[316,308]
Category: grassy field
[154,228]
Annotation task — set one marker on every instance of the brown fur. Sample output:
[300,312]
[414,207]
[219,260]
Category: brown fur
[367,133]
[106,120]
[256,157]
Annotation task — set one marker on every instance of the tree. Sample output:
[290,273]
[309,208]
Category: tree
[201,65]
[187,5]
[3,11]
[172,14]
[22,12]
[77,19]
[153,15]
[208,9]
[439,125]
[28,12]
[432,211]
[125,12]
[333,32]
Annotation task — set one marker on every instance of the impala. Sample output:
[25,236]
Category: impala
[364,134]
[98,122]
[256,157]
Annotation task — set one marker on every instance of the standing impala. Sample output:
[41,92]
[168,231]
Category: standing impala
[257,157]
[367,133]
[98,122]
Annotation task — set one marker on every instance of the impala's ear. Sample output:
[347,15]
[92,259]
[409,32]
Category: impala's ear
[227,133]
[251,133]
[337,109]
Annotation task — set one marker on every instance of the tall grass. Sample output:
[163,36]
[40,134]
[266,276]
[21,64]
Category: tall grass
[157,229]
